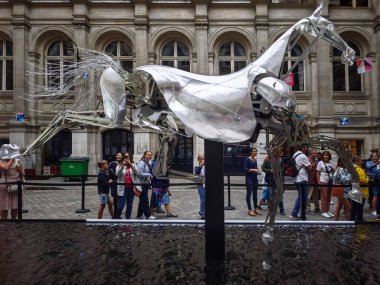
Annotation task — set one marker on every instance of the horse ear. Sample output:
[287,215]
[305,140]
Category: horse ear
[318,12]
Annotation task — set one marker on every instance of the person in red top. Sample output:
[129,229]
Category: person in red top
[126,176]
[313,192]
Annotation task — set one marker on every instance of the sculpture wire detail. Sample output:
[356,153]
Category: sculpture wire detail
[229,108]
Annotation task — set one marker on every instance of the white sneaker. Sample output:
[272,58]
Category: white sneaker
[325,215]
[331,203]
[330,214]
[374,213]
[151,217]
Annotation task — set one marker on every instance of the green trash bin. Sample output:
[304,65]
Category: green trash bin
[73,167]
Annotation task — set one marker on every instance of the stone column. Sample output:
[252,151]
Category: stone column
[21,27]
[325,122]
[375,100]
[261,23]
[312,85]
[85,142]
[201,35]
[141,29]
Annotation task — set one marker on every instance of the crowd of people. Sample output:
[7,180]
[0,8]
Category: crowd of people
[317,179]
[123,179]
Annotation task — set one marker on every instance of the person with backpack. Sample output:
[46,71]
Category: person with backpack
[299,165]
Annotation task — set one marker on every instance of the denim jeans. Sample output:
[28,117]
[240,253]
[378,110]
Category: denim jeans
[301,201]
[126,199]
[144,203]
[357,211]
[202,198]
[252,185]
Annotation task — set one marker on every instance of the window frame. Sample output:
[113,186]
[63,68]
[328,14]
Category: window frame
[231,58]
[118,56]
[4,58]
[61,58]
[175,58]
[335,59]
[288,58]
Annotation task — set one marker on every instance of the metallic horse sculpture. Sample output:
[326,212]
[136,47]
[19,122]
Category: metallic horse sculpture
[229,108]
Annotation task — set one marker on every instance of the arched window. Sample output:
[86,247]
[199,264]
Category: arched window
[57,147]
[6,65]
[232,57]
[298,71]
[123,52]
[115,141]
[59,59]
[176,54]
[345,78]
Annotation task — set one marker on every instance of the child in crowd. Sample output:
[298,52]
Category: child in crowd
[104,182]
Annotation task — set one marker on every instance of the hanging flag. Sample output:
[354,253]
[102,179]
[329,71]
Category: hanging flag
[289,79]
[364,65]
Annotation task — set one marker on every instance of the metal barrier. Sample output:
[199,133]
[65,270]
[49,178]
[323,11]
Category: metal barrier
[84,184]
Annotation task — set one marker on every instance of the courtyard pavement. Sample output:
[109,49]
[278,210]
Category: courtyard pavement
[60,200]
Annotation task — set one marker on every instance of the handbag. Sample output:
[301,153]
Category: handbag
[337,191]
[137,191]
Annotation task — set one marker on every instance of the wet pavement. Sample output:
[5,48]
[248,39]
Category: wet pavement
[58,199]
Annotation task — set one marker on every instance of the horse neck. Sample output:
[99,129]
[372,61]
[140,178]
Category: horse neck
[271,60]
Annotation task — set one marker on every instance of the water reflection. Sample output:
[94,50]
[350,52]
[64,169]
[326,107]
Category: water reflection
[60,253]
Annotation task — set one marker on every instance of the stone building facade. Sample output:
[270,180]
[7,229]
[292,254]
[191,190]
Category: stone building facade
[202,36]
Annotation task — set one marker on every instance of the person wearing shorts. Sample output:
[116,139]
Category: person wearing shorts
[104,182]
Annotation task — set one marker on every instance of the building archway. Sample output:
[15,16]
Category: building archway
[58,147]
[114,141]
[182,155]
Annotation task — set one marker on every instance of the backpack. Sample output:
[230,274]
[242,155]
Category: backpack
[292,169]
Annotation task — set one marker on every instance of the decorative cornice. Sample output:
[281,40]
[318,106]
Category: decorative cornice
[376,25]
[21,22]
[261,24]
[201,22]
[312,57]
[194,56]
[81,22]
[141,23]
[211,56]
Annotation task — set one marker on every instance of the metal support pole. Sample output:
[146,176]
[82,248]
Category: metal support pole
[83,210]
[19,199]
[229,207]
[214,184]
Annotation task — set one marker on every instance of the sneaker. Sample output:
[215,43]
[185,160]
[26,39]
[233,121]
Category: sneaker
[294,218]
[332,203]
[151,217]
[374,213]
[325,215]
[282,213]
[308,210]
[330,214]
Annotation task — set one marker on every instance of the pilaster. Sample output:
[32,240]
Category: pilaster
[201,34]
[141,24]
[262,25]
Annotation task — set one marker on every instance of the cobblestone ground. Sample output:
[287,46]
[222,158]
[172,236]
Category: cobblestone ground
[61,202]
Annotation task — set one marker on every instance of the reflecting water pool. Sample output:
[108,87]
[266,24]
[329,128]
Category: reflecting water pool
[78,253]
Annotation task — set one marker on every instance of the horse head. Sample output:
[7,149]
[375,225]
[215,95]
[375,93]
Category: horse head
[317,26]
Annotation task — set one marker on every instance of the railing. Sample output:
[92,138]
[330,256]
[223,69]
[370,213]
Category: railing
[84,184]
